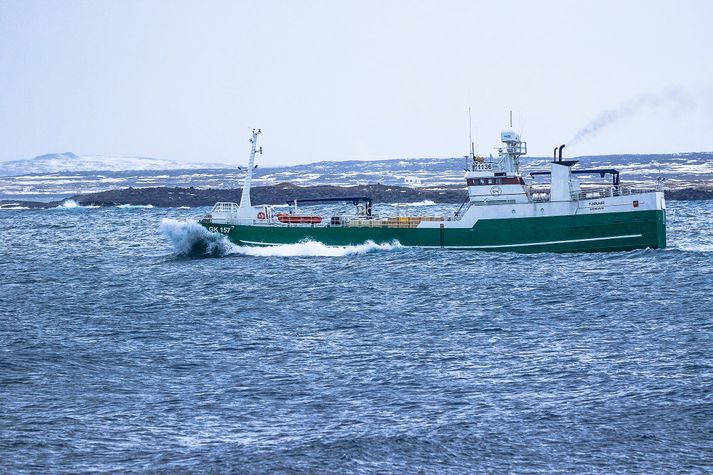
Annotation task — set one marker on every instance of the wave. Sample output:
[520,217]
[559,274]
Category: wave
[128,206]
[692,247]
[190,239]
[10,207]
[415,203]
[71,204]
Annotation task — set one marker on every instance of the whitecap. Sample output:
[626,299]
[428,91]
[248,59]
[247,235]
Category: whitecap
[71,204]
[129,206]
[416,203]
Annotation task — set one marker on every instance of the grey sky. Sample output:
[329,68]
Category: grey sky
[350,80]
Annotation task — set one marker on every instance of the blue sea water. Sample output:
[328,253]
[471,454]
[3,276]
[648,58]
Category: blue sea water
[132,342]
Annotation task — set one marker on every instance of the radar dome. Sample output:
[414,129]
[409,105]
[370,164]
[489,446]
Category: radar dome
[508,134]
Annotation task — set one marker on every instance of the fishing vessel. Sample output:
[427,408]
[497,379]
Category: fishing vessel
[503,212]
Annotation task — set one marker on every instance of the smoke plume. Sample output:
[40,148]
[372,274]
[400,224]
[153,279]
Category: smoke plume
[675,99]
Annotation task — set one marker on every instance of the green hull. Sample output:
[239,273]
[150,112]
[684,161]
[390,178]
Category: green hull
[578,233]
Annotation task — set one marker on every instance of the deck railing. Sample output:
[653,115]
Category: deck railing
[609,192]
[225,207]
[543,195]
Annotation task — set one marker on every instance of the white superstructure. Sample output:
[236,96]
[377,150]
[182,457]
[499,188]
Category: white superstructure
[496,189]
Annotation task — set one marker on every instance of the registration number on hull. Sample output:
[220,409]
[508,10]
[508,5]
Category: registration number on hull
[219,229]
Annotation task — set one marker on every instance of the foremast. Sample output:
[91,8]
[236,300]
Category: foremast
[245,197]
[233,213]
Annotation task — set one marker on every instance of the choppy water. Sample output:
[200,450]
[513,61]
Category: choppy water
[125,348]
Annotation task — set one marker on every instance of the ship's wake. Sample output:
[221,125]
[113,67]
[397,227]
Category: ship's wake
[190,239]
[692,247]
[313,248]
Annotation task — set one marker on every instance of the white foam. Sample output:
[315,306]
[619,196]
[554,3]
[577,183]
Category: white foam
[313,249]
[693,247]
[416,203]
[71,204]
[128,206]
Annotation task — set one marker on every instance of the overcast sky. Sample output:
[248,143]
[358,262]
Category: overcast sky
[337,80]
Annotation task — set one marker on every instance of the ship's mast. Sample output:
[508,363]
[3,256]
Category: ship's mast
[470,137]
[245,197]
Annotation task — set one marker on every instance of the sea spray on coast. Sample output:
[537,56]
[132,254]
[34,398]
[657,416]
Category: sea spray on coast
[129,206]
[71,204]
[190,239]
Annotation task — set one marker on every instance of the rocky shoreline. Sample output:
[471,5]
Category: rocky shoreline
[164,197]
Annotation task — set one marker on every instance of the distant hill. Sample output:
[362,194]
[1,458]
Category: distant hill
[69,174]
[71,162]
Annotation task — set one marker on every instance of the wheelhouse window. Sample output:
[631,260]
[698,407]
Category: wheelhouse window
[495,181]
